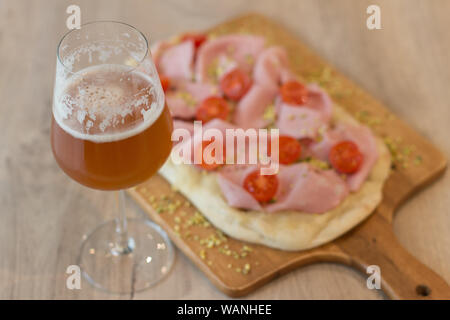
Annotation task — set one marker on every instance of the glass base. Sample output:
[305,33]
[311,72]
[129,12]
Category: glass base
[145,261]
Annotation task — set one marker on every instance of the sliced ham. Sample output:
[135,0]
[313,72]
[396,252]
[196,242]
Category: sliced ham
[224,53]
[299,122]
[230,182]
[249,112]
[305,121]
[185,97]
[306,189]
[267,74]
[362,137]
[301,188]
[320,101]
[321,149]
[176,61]
[272,68]
[158,49]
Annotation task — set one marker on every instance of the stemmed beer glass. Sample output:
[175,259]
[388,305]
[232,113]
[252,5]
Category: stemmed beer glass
[111,130]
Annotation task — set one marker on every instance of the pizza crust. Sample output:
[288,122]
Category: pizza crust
[286,230]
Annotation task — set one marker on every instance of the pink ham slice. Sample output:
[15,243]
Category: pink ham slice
[362,137]
[305,189]
[157,50]
[299,122]
[272,68]
[320,101]
[227,52]
[300,188]
[305,121]
[250,109]
[230,181]
[185,97]
[321,149]
[176,61]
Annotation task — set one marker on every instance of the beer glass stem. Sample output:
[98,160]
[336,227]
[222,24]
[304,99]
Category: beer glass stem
[123,244]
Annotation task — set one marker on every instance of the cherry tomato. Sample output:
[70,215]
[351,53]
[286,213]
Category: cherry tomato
[212,107]
[262,188]
[197,38]
[165,82]
[235,84]
[293,92]
[345,157]
[215,164]
[290,150]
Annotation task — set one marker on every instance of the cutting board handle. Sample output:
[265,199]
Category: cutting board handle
[402,275]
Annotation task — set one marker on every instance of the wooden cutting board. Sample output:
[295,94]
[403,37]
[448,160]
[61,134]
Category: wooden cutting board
[237,268]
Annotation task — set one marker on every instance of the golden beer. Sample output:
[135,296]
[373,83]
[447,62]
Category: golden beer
[110,130]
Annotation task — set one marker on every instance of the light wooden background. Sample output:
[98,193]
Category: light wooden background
[43,214]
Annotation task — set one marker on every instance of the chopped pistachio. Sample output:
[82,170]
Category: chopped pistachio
[249,59]
[319,164]
[187,97]
[418,160]
[269,113]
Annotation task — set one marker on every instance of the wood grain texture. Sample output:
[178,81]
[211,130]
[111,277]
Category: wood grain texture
[372,243]
[44,214]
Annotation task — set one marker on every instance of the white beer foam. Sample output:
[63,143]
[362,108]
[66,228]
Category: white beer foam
[101,100]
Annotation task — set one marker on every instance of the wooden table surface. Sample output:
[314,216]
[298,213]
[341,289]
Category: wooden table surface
[44,214]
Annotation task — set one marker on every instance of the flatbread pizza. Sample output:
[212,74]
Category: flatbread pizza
[332,168]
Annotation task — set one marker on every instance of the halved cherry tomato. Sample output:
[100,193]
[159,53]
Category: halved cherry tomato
[262,188]
[293,92]
[345,157]
[289,149]
[235,84]
[197,38]
[165,82]
[215,164]
[212,107]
